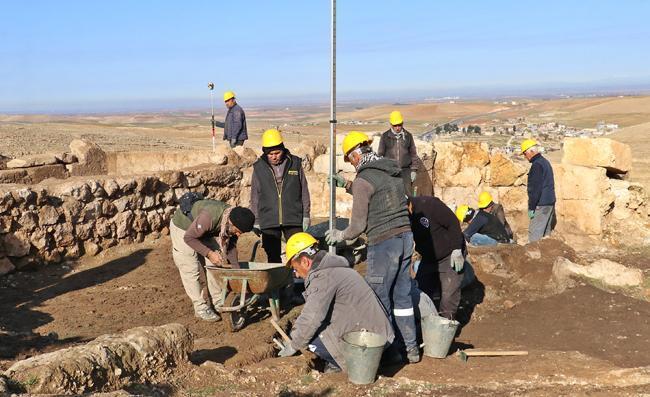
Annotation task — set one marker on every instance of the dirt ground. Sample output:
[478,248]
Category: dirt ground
[584,341]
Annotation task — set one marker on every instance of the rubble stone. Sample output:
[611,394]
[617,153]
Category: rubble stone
[92,159]
[16,244]
[32,161]
[6,266]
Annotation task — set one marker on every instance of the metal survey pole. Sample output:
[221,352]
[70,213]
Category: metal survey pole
[211,87]
[332,220]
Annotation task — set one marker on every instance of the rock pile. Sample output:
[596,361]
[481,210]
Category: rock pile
[110,362]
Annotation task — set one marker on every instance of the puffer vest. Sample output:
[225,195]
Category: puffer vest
[279,205]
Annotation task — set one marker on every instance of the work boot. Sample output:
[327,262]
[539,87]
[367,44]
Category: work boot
[207,314]
[413,355]
[331,368]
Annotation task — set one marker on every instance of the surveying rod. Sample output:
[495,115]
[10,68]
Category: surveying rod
[211,87]
[332,220]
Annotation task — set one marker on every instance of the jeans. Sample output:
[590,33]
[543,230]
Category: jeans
[542,224]
[388,275]
[482,239]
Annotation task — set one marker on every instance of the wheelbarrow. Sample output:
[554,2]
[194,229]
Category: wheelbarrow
[245,286]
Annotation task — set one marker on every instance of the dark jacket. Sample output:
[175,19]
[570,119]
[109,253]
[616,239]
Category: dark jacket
[436,229]
[501,216]
[487,224]
[541,185]
[387,213]
[337,301]
[403,151]
[279,204]
[235,125]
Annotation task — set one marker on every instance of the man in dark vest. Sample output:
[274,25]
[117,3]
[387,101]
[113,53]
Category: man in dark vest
[210,231]
[379,209]
[485,202]
[398,144]
[279,195]
[484,228]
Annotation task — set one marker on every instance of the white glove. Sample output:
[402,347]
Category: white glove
[457,260]
[305,223]
[332,237]
[414,175]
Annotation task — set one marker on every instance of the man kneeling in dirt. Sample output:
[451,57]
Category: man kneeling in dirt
[191,234]
[337,301]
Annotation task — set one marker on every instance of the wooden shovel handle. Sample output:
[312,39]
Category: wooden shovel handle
[472,353]
[280,331]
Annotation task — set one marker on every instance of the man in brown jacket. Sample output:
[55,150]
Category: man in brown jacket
[337,301]
[398,144]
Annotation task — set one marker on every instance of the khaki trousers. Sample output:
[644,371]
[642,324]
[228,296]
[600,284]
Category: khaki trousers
[190,266]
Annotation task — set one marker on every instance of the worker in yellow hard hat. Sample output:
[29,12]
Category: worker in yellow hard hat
[279,194]
[234,127]
[398,144]
[487,204]
[379,210]
[338,300]
[483,227]
[541,192]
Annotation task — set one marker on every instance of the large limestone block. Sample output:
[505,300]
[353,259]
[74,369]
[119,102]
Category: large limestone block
[604,271]
[513,198]
[574,182]
[448,160]
[92,159]
[110,362]
[598,152]
[504,171]
[579,217]
[43,172]
[32,161]
[322,164]
[424,148]
[456,195]
[320,197]
[475,154]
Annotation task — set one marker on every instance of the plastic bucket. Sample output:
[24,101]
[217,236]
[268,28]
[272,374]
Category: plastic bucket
[362,351]
[437,335]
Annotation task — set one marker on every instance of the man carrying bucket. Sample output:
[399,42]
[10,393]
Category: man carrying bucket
[337,301]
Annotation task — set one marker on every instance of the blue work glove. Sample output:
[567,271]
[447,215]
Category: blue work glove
[531,214]
[332,237]
[339,181]
[287,351]
[457,260]
[305,223]
[414,175]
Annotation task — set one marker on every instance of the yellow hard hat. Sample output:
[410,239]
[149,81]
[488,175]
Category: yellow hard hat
[354,139]
[396,118]
[228,95]
[527,144]
[271,138]
[298,243]
[461,212]
[484,199]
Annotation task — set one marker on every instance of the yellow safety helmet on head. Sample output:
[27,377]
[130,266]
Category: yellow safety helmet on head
[396,118]
[484,200]
[298,243]
[271,138]
[461,212]
[228,95]
[352,140]
[527,144]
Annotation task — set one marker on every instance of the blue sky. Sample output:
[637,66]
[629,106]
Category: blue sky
[93,55]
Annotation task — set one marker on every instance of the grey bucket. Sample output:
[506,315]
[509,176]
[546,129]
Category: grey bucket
[362,351]
[437,335]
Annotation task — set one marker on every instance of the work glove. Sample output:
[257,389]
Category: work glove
[339,181]
[257,230]
[457,260]
[414,174]
[287,351]
[332,237]
[305,223]
[531,214]
[233,142]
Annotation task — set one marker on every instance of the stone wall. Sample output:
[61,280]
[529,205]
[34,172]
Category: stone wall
[50,222]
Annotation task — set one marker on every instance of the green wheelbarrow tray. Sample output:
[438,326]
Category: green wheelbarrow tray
[246,285]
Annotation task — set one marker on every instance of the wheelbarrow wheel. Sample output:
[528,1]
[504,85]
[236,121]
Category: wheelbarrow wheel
[237,319]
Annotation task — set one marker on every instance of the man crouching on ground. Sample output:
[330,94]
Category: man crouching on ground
[337,301]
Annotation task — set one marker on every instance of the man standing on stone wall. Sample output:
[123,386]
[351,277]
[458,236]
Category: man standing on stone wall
[279,195]
[398,144]
[541,192]
[234,127]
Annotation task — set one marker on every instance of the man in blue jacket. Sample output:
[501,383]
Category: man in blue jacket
[541,192]
[234,127]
